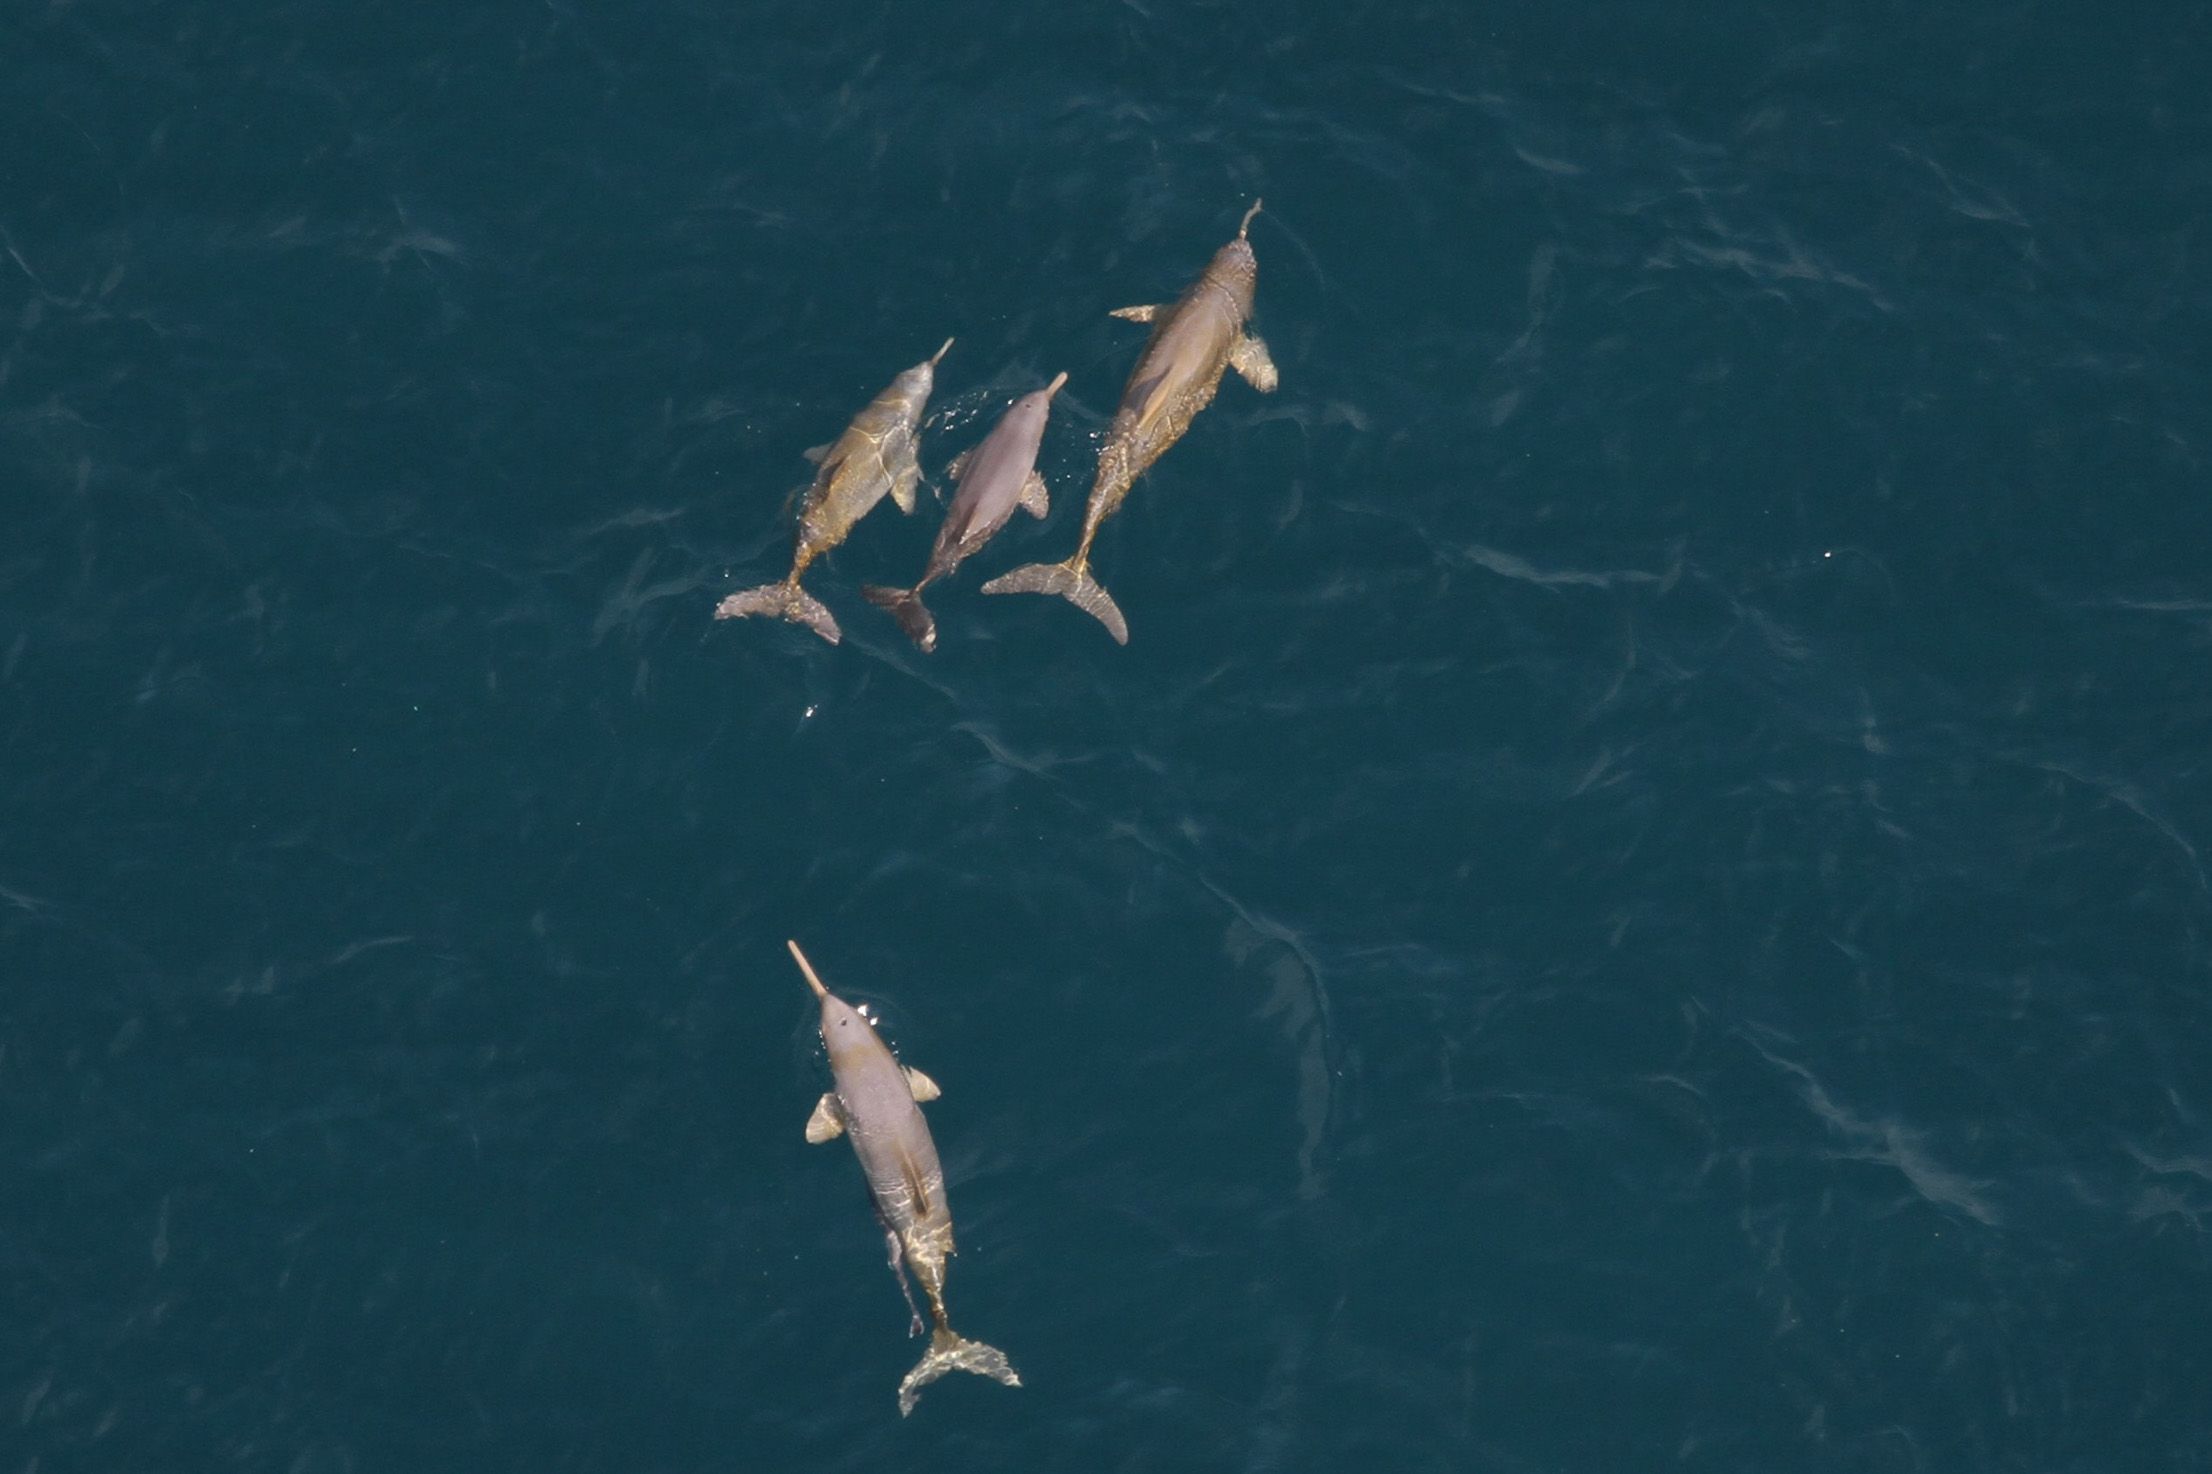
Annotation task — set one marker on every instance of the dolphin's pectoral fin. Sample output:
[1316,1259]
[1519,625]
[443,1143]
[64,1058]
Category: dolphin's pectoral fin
[827,1123]
[956,465]
[903,482]
[1250,359]
[1137,314]
[906,474]
[924,1088]
[1036,501]
[817,453]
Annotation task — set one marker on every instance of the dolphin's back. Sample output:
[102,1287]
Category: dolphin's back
[991,483]
[888,1132]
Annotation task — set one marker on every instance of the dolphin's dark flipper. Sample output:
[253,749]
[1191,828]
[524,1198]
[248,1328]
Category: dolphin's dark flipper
[905,606]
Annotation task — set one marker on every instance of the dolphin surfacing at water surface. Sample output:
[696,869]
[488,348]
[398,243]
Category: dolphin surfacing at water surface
[874,457]
[1194,339]
[997,476]
[874,1100]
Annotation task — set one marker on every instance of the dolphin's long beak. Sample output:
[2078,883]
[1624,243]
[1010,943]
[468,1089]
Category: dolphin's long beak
[808,968]
[1054,387]
[940,353]
[1246,223]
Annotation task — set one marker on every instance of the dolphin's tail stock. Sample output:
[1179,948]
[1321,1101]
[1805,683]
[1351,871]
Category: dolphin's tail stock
[785,600]
[1072,581]
[949,1351]
[905,606]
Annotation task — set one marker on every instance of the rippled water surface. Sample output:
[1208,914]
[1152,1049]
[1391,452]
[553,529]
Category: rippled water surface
[1637,898]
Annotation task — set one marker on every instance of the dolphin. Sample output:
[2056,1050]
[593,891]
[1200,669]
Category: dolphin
[994,478]
[874,456]
[1193,339]
[873,1099]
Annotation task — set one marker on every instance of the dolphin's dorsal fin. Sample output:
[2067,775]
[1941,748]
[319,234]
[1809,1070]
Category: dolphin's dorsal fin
[917,1190]
[1142,396]
[827,1123]
[819,453]
[1249,357]
[923,1087]
[1137,314]
[1036,501]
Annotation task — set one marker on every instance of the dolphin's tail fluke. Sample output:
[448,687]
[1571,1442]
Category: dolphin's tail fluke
[1072,581]
[785,600]
[951,1352]
[905,606]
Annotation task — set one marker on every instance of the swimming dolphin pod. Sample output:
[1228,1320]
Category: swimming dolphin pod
[873,1100]
[1195,340]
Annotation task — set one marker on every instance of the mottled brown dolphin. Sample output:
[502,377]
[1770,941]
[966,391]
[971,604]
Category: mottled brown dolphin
[873,1100]
[874,456]
[997,476]
[1193,340]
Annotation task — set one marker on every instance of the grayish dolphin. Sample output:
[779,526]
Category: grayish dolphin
[873,1100]
[997,476]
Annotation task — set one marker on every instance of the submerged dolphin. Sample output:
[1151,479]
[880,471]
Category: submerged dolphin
[873,1101]
[995,477]
[1193,340]
[874,456]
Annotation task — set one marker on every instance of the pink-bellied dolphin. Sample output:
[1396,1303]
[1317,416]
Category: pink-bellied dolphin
[873,1099]
[997,476]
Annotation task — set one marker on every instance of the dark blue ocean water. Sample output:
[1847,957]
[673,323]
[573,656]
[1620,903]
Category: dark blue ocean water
[1637,899]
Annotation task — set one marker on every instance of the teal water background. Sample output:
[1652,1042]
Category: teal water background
[1636,900]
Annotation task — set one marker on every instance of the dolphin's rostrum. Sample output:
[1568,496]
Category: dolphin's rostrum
[873,1100]
[873,457]
[1193,341]
[997,476]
